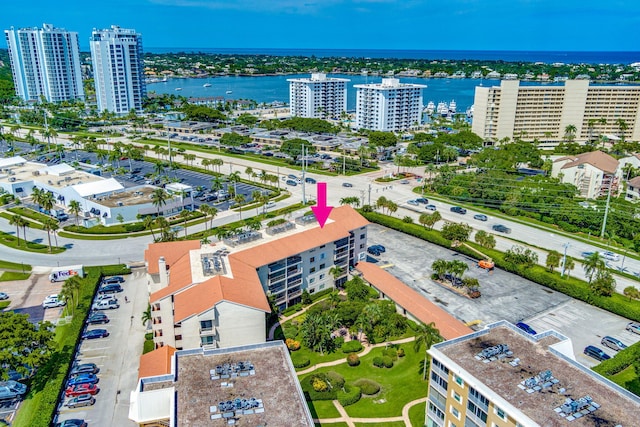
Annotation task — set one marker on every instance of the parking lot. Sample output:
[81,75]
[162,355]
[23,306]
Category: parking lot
[26,296]
[117,357]
[504,295]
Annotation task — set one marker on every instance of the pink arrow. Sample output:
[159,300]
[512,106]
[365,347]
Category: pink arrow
[321,210]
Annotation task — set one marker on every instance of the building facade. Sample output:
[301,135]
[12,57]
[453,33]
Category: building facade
[594,174]
[215,296]
[118,69]
[503,377]
[388,106]
[45,62]
[545,112]
[318,96]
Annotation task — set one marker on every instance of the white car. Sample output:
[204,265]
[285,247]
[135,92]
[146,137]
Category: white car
[53,301]
[610,256]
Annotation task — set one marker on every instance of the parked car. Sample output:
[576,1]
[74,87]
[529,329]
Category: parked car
[72,423]
[480,217]
[422,200]
[80,401]
[310,180]
[413,202]
[53,301]
[528,329]
[105,297]
[633,327]
[501,228]
[79,389]
[82,379]
[110,289]
[109,304]
[458,209]
[11,390]
[112,280]
[613,343]
[596,353]
[4,296]
[586,254]
[97,318]
[292,176]
[379,248]
[374,251]
[291,182]
[347,184]
[430,207]
[84,368]
[608,255]
[95,333]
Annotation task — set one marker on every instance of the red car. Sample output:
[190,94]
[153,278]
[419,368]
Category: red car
[79,389]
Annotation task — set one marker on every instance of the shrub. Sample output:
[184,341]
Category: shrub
[148,346]
[401,352]
[367,386]
[349,395]
[338,342]
[330,393]
[134,227]
[335,379]
[300,360]
[352,346]
[319,384]
[377,362]
[353,359]
[390,353]
[407,219]
[290,330]
[292,344]
[387,362]
[621,361]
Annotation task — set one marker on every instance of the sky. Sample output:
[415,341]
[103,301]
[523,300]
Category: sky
[522,25]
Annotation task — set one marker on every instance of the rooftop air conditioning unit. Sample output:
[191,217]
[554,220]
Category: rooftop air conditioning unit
[120,204]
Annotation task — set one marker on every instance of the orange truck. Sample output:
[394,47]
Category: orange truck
[487,264]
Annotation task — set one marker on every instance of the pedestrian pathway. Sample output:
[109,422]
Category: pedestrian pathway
[345,418]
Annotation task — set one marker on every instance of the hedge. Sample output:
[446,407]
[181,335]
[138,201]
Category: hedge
[620,361]
[300,360]
[570,286]
[311,394]
[367,386]
[349,395]
[353,359]
[352,346]
[335,379]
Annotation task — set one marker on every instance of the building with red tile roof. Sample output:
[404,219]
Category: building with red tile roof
[410,303]
[216,295]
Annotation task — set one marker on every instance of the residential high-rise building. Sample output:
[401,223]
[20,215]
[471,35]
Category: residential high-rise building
[318,97]
[118,69]
[388,106]
[551,114]
[503,377]
[45,63]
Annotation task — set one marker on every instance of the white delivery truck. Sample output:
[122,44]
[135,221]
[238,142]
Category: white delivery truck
[60,274]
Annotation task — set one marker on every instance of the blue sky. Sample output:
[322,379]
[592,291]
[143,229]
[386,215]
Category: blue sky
[557,25]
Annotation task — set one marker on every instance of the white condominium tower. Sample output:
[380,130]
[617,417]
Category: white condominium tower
[389,106]
[118,69]
[545,113]
[318,97]
[45,62]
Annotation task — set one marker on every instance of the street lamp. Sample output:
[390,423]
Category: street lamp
[564,258]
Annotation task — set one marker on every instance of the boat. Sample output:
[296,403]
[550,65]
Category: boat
[443,108]
[178,88]
[470,112]
[452,106]
[164,80]
[229,92]
[431,107]
[206,85]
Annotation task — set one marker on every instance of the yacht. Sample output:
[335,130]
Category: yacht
[443,108]
[206,85]
[229,92]
[178,88]
[470,112]
[164,80]
[431,107]
[452,106]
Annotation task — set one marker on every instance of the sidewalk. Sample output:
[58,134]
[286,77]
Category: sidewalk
[345,418]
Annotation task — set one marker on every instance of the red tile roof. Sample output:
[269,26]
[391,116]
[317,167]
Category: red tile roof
[414,303]
[171,251]
[156,362]
[597,159]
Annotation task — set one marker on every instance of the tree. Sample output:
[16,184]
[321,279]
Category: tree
[457,269]
[520,255]
[146,315]
[440,268]
[17,221]
[593,265]
[293,147]
[49,225]
[382,139]
[553,260]
[159,199]
[570,132]
[604,284]
[631,292]
[234,178]
[357,289]
[426,335]
[454,231]
[249,172]
[351,201]
[569,265]
[75,208]
[148,223]
[429,220]
[484,239]
[185,215]
[25,345]
[336,271]
[316,330]
[239,199]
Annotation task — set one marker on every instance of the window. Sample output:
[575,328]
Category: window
[206,325]
[312,280]
[208,340]
[322,256]
[313,259]
[455,412]
[439,380]
[500,413]
[457,397]
[361,245]
[433,408]
[312,270]
[321,276]
[362,236]
[459,380]
[322,266]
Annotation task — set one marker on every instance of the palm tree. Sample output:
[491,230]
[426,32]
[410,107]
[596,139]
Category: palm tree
[49,225]
[216,184]
[75,208]
[351,201]
[593,265]
[185,215]
[569,265]
[263,176]
[240,199]
[256,196]
[570,132]
[234,178]
[428,335]
[205,164]
[158,168]
[249,171]
[17,221]
[159,198]
[336,271]
[148,224]
[146,315]
[440,267]
[622,127]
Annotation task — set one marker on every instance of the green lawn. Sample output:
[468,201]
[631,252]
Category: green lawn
[13,275]
[325,407]
[32,224]
[400,384]
[386,424]
[416,415]
[30,213]
[14,266]
[4,304]
[333,424]
[628,379]
[12,241]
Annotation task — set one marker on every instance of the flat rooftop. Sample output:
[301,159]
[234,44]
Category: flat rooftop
[129,197]
[37,172]
[274,382]
[617,407]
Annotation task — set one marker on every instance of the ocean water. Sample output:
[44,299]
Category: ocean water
[489,55]
[276,88]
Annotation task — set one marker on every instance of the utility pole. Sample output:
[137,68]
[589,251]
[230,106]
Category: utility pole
[564,258]
[344,161]
[46,129]
[369,194]
[169,148]
[606,209]
[304,194]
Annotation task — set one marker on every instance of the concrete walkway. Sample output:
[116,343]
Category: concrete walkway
[345,418]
